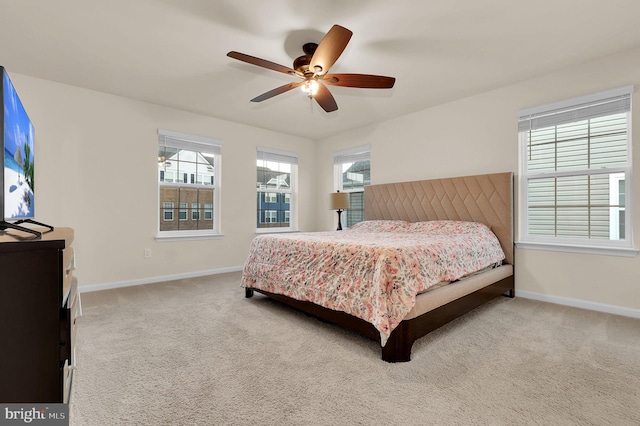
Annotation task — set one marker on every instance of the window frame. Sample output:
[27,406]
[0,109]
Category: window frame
[198,144]
[282,157]
[561,113]
[340,158]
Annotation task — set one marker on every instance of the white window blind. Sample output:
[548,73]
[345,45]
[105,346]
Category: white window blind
[576,171]
[352,155]
[577,109]
[189,142]
[267,154]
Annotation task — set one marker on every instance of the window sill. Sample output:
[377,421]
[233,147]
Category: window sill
[275,231]
[566,248]
[187,236]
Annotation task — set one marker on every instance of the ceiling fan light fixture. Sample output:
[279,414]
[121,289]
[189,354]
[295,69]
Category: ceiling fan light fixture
[310,87]
[313,68]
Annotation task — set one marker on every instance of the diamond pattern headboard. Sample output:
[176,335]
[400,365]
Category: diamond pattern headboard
[481,198]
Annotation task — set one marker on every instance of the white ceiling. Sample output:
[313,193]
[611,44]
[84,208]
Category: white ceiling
[173,52]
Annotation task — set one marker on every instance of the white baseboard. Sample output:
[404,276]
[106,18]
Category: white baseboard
[577,303]
[151,280]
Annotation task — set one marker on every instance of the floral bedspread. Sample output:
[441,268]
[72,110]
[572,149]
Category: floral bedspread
[373,270]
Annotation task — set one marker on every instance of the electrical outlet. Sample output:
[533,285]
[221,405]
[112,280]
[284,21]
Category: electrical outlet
[147,253]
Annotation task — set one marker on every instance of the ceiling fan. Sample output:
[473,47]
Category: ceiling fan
[312,68]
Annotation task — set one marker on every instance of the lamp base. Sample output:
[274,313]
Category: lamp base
[339,222]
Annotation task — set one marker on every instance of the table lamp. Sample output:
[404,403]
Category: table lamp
[339,201]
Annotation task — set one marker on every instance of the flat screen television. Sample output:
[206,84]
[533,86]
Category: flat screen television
[17,198]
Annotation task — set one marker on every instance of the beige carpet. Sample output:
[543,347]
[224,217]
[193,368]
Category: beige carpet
[196,352]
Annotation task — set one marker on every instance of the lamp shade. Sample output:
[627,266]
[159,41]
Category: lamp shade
[339,200]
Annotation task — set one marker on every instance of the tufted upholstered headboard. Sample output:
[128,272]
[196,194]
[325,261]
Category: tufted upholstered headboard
[481,198]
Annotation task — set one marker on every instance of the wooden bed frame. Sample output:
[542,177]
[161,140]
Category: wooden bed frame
[481,198]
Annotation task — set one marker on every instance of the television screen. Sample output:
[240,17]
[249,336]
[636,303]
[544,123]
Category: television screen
[17,198]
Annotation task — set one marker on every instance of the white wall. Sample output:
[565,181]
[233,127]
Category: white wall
[479,135]
[82,135]
[95,171]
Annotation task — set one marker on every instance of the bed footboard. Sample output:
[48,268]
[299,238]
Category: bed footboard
[398,347]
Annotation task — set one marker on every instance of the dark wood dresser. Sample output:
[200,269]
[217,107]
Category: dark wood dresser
[39,303]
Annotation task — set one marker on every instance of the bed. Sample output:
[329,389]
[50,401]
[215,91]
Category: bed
[383,288]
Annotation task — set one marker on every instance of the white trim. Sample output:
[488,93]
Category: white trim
[196,144]
[285,158]
[615,247]
[152,280]
[577,303]
[165,236]
[567,248]
[276,230]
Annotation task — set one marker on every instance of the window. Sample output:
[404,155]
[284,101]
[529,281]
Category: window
[188,176]
[270,216]
[276,172]
[575,172]
[352,172]
[168,211]
[182,214]
[195,211]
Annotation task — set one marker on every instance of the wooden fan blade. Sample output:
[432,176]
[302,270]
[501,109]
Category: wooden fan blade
[262,63]
[364,81]
[325,99]
[277,91]
[329,49]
